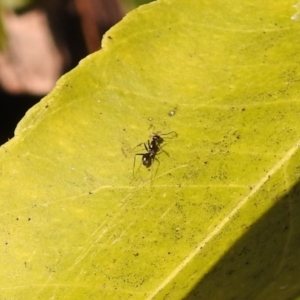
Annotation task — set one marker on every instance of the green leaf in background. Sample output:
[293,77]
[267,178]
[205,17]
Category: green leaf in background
[217,217]
[14,4]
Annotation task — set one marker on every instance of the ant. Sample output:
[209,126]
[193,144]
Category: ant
[152,148]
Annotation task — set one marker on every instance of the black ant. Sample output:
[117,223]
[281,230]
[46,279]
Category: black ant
[152,147]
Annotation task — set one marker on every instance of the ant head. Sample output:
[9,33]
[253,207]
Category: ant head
[158,138]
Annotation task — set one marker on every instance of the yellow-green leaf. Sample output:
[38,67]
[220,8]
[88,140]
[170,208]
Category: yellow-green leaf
[217,215]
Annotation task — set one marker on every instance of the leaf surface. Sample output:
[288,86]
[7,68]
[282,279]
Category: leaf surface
[216,217]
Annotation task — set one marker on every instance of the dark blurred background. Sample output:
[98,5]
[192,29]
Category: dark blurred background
[43,40]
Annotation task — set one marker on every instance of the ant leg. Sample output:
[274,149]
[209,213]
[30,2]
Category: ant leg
[162,150]
[144,146]
[138,154]
[147,148]
[138,145]
[174,134]
[134,162]
[151,179]
[153,176]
